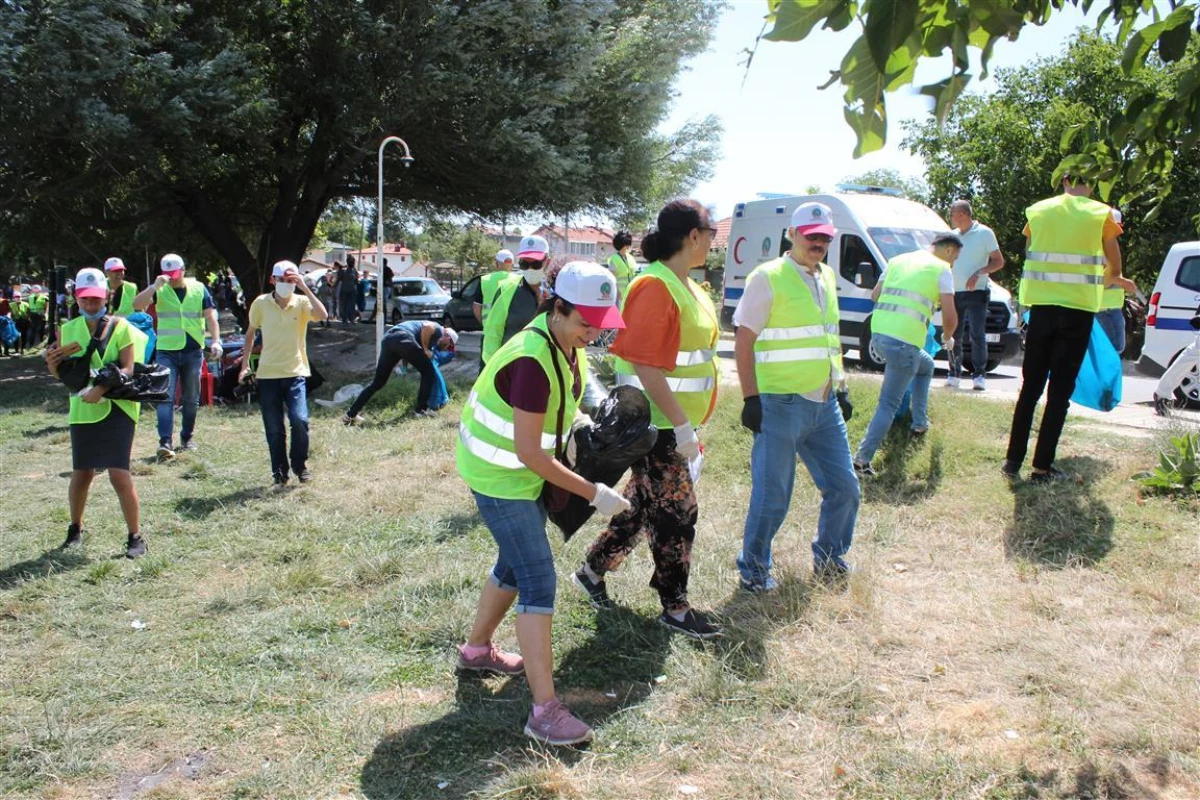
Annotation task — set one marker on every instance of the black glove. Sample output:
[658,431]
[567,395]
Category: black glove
[843,401]
[752,413]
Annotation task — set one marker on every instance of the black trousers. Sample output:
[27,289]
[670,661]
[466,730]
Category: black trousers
[392,350]
[1055,344]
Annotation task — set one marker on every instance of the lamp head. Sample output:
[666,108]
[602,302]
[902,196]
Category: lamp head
[407,161]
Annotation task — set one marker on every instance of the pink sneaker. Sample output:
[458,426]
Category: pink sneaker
[494,660]
[557,725]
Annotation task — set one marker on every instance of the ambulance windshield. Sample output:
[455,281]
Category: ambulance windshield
[895,241]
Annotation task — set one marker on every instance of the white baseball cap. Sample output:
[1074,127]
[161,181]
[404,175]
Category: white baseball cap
[114,263]
[453,334]
[90,282]
[592,290]
[534,247]
[813,218]
[282,268]
[504,255]
[171,264]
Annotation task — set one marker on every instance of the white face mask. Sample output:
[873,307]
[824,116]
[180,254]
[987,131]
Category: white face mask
[533,276]
[284,290]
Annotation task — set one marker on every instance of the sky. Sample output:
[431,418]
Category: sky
[782,133]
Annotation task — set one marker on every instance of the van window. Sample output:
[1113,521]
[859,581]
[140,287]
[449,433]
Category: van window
[785,243]
[1189,274]
[854,252]
[895,241]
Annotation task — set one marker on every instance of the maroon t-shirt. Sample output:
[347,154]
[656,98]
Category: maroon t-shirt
[525,385]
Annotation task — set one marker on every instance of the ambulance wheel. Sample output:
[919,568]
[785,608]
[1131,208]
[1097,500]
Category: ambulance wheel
[868,356]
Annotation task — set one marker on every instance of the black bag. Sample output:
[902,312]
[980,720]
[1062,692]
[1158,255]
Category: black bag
[76,373]
[148,384]
[618,437]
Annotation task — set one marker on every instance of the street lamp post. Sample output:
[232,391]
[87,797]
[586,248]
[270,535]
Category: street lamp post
[407,161]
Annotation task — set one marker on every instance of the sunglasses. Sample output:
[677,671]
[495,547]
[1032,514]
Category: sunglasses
[818,237]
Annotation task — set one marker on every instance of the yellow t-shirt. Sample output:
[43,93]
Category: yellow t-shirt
[284,331]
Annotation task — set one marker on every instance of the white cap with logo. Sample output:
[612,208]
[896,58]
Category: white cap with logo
[171,264]
[114,264]
[592,290]
[535,247]
[504,255]
[282,268]
[813,217]
[90,282]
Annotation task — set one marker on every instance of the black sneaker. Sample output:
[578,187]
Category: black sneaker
[189,445]
[165,451]
[693,624]
[135,547]
[1162,406]
[831,573]
[864,470]
[597,592]
[1011,470]
[74,537]
[758,587]
[1052,475]
[304,476]
[280,480]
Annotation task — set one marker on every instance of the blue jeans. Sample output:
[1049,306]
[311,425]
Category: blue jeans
[972,316]
[525,564]
[903,363]
[791,426]
[185,372]
[1112,322]
[275,396]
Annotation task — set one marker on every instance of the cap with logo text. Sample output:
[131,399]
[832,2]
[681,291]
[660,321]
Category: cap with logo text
[592,289]
[810,218]
[90,282]
[114,264]
[171,265]
[534,247]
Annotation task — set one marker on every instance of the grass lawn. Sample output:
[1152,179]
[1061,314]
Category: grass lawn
[998,642]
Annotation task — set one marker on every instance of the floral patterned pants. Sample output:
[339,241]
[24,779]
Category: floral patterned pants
[663,504]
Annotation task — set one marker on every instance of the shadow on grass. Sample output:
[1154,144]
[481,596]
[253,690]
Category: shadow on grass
[194,508]
[1063,524]
[750,620]
[458,525]
[46,431]
[482,738]
[50,562]
[893,485]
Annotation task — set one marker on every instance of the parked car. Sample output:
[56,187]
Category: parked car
[1175,300]
[460,311]
[412,298]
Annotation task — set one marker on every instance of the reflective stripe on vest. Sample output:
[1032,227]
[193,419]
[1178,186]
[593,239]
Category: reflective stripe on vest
[798,350]
[694,378]
[909,295]
[486,449]
[1065,262]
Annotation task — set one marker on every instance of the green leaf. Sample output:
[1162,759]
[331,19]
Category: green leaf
[889,23]
[1141,41]
[1173,42]
[945,93]
[794,19]
[870,126]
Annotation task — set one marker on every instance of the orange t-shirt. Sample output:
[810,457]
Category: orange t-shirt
[651,334]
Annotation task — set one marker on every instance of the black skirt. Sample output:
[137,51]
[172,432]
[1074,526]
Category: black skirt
[106,444]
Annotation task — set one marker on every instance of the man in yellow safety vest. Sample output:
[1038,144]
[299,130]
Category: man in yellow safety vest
[121,292]
[1071,255]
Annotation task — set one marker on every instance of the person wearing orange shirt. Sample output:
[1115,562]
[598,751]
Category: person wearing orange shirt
[668,350]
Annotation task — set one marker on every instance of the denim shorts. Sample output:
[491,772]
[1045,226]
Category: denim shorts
[525,564]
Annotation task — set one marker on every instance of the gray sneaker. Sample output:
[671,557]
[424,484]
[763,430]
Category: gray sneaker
[557,725]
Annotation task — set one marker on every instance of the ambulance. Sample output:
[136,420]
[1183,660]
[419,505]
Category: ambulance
[1175,300]
[874,224]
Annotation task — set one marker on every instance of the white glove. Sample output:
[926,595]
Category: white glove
[687,443]
[216,351]
[948,343]
[608,502]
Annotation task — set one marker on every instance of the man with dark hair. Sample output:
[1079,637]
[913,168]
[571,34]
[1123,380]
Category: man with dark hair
[979,258]
[908,292]
[1071,255]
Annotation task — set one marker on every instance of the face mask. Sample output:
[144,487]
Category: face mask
[533,276]
[93,317]
[284,290]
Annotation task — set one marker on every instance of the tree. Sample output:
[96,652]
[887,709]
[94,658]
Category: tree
[678,162]
[999,150]
[1134,143]
[237,124]
[912,188]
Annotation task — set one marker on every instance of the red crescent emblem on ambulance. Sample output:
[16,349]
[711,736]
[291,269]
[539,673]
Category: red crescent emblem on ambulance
[737,259]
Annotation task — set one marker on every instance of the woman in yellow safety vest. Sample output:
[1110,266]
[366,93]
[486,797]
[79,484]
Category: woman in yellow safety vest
[101,430]
[520,406]
[668,350]
[621,263]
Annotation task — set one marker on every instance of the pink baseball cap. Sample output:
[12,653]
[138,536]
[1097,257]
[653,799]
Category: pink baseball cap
[811,218]
[90,282]
[592,290]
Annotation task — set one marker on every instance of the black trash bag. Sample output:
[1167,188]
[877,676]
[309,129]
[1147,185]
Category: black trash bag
[148,384]
[619,435]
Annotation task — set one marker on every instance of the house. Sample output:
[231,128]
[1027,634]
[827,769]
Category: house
[308,264]
[399,257]
[589,243]
[327,255]
[504,240]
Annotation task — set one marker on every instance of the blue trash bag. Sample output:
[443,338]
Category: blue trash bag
[933,347]
[8,332]
[145,323]
[440,395]
[1098,385]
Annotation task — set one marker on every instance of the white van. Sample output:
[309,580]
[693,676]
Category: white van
[873,225]
[1173,303]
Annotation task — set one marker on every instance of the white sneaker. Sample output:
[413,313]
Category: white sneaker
[951,383]
[978,383]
